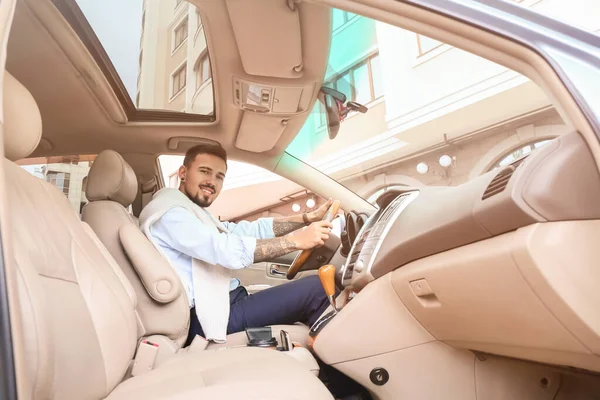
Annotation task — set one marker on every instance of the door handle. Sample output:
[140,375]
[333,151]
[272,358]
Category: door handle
[274,271]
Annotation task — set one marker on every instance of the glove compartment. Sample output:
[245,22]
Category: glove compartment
[529,294]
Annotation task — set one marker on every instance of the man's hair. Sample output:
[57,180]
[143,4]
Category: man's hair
[205,148]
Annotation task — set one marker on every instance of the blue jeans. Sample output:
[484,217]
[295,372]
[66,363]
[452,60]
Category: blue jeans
[302,300]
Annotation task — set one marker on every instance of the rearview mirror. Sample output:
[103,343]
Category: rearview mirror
[336,110]
[332,112]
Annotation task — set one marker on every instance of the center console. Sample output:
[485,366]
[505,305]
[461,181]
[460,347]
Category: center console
[367,244]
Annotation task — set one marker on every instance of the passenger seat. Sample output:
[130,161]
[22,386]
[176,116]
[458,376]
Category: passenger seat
[78,323]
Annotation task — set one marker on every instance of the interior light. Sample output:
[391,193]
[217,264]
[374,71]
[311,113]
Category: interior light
[422,168]
[310,203]
[445,160]
[295,207]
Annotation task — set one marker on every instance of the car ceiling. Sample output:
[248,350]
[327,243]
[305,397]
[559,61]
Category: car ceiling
[81,114]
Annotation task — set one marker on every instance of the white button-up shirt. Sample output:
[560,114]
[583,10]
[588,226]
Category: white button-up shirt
[181,236]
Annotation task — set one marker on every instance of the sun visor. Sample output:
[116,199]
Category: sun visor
[268,37]
[270,128]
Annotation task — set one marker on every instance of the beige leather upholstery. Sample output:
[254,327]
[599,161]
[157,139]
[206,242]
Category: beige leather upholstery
[111,178]
[165,313]
[28,128]
[78,311]
[162,302]
[159,279]
[244,373]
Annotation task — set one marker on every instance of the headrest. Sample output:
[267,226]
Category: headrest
[22,120]
[111,178]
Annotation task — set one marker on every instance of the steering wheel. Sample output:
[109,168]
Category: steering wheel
[301,257]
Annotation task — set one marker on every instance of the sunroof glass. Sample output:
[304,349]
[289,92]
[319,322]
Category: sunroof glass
[158,48]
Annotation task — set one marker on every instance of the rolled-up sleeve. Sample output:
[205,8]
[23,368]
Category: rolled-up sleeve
[260,229]
[181,230]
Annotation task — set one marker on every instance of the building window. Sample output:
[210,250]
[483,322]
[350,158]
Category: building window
[198,20]
[340,17]
[202,70]
[320,115]
[180,34]
[59,179]
[514,155]
[178,80]
[426,44]
[362,82]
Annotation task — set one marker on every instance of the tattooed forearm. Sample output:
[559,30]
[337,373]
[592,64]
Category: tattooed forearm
[283,227]
[268,249]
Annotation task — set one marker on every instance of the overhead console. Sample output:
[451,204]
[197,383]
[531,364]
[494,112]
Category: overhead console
[272,99]
[283,48]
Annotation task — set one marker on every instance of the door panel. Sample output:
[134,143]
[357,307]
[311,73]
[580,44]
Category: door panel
[264,275]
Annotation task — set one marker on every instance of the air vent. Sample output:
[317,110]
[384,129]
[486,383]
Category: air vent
[389,210]
[500,181]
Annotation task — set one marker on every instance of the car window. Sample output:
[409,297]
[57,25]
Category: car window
[251,192]
[158,50]
[436,115]
[67,173]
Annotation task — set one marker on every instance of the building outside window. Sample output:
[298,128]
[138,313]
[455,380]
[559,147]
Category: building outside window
[202,70]
[59,179]
[198,19]
[426,44]
[180,34]
[179,80]
[339,18]
[518,153]
[362,82]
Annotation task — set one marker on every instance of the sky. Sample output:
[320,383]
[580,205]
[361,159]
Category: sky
[118,25]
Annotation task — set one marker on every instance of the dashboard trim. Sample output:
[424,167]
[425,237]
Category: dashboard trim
[410,197]
[348,280]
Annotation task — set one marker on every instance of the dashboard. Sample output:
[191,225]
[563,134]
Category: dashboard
[505,264]
[418,222]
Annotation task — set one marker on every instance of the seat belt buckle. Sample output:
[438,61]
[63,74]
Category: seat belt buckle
[145,357]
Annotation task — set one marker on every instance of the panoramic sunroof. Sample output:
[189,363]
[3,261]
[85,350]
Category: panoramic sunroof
[153,52]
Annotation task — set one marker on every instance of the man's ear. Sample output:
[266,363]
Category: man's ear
[182,172]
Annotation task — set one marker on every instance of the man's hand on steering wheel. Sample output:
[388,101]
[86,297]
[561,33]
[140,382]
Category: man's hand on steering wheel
[312,236]
[320,212]
[317,232]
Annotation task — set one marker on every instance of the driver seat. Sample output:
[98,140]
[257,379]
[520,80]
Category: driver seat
[76,330]
[162,303]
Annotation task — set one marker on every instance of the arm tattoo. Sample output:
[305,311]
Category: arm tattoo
[281,228]
[268,249]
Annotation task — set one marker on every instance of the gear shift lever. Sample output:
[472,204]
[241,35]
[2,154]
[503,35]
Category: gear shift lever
[327,277]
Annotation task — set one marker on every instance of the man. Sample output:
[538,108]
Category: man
[203,250]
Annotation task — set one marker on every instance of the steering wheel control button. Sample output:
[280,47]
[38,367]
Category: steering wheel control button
[359,266]
[379,376]
[421,288]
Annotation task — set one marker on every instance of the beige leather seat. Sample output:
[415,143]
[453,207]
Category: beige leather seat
[162,302]
[78,310]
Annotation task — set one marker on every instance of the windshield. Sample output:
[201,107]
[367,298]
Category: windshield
[437,115]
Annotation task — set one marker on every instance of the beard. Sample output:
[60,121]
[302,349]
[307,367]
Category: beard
[199,199]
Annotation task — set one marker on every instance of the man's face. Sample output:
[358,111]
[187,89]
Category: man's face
[203,180]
